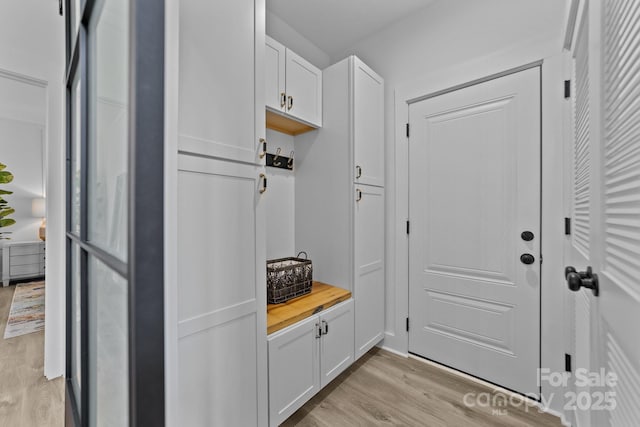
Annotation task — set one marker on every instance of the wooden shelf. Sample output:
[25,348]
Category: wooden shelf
[322,296]
[286,124]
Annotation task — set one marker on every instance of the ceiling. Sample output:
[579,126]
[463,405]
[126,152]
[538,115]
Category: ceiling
[334,25]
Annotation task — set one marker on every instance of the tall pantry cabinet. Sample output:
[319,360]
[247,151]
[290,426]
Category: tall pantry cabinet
[217,353]
[339,198]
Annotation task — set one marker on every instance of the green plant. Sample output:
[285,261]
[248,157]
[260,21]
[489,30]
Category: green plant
[5,210]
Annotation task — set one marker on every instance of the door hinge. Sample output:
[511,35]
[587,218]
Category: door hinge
[407,324]
[567,89]
[408,227]
[567,226]
[540,258]
[407,130]
[567,362]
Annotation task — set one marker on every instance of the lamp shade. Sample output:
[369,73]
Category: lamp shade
[38,208]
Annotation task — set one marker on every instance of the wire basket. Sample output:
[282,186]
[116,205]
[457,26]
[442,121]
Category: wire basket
[288,278]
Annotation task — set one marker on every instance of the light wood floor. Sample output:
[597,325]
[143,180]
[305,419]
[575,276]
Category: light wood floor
[27,398]
[383,389]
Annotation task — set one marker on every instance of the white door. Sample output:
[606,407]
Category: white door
[274,59]
[474,164]
[368,124]
[294,368]
[336,345]
[369,267]
[608,233]
[304,89]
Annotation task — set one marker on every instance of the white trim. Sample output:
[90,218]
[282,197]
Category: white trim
[571,24]
[477,81]
[396,352]
[171,93]
[552,340]
[23,78]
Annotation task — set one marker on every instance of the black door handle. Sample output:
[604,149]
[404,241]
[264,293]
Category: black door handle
[582,279]
[527,236]
[527,258]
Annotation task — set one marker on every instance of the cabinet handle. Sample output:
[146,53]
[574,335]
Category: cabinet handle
[318,331]
[290,106]
[263,177]
[358,172]
[358,195]
[263,153]
[326,327]
[283,99]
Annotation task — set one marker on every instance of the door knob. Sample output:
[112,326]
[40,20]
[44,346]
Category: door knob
[584,279]
[527,236]
[527,258]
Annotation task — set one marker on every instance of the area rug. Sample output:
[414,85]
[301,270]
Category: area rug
[27,310]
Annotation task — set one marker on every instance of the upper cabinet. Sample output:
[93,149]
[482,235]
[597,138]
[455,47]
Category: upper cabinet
[275,88]
[293,89]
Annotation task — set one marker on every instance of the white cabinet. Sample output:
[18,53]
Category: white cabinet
[336,345]
[274,81]
[368,117]
[294,368]
[305,357]
[369,267]
[217,340]
[293,86]
[344,236]
[221,89]
[22,260]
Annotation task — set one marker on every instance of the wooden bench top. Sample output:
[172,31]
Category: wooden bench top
[322,296]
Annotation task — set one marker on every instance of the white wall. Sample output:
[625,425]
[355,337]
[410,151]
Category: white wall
[451,42]
[32,44]
[288,36]
[280,200]
[21,149]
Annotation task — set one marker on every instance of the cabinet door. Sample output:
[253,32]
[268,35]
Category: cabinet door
[368,130]
[222,345]
[336,345]
[304,89]
[369,268]
[274,58]
[294,368]
[221,69]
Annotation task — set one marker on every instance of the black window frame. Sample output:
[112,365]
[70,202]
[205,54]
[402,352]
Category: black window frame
[144,268]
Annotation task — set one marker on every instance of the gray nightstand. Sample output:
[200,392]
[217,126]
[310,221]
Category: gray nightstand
[22,260]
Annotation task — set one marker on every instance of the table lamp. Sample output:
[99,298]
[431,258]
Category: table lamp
[38,210]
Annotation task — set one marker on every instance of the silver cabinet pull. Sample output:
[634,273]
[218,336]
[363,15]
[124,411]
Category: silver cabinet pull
[318,331]
[283,99]
[263,142]
[263,177]
[290,106]
[326,327]
[358,172]
[358,195]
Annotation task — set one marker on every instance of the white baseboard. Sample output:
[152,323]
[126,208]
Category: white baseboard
[391,350]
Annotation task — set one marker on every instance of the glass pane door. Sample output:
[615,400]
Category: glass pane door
[115,373]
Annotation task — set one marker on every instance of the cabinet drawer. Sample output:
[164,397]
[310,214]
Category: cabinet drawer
[26,249]
[26,259]
[25,270]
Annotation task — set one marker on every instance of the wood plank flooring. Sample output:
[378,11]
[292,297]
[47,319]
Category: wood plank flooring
[27,398]
[384,389]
